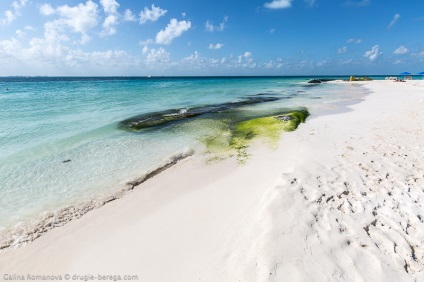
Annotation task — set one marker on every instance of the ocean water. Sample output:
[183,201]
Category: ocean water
[60,143]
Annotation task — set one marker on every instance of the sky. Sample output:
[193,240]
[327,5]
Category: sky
[203,37]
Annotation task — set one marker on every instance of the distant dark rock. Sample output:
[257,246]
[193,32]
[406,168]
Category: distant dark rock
[320,80]
[66,161]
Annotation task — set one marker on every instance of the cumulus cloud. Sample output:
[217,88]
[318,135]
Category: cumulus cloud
[342,50]
[109,25]
[79,19]
[396,17]
[11,14]
[158,57]
[129,16]
[216,46]
[354,40]
[110,8]
[20,33]
[47,56]
[151,15]
[401,50]
[209,26]
[173,30]
[278,4]
[46,10]
[246,58]
[373,54]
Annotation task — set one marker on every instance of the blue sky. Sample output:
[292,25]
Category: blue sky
[201,37]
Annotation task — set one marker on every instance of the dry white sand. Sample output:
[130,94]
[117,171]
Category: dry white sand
[340,200]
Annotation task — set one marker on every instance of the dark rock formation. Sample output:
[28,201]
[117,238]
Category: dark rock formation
[175,115]
[320,80]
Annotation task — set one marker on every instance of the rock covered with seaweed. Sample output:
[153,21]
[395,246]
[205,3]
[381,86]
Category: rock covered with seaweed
[174,115]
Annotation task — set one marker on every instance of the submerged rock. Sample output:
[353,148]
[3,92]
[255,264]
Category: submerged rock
[168,116]
[320,80]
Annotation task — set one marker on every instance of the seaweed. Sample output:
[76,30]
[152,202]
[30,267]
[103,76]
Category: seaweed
[236,139]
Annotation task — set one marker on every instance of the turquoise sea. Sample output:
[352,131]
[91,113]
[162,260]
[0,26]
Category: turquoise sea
[60,143]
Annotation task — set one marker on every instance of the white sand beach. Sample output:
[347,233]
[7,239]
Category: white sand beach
[341,199]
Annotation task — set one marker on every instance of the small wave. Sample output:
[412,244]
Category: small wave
[25,233]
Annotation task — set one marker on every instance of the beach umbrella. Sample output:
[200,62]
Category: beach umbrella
[405,73]
[421,73]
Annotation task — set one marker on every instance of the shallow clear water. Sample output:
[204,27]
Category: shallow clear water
[45,121]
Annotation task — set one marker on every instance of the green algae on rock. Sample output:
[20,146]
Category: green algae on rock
[267,128]
[235,139]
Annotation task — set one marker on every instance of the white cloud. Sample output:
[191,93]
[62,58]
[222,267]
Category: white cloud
[342,50]
[20,33]
[278,64]
[10,47]
[401,50]
[46,56]
[193,57]
[354,40]
[272,30]
[12,14]
[158,57]
[109,25]
[111,21]
[110,6]
[216,46]
[245,59]
[46,10]
[151,15]
[396,17]
[80,18]
[373,54]
[173,30]
[210,27]
[145,50]
[129,16]
[278,4]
